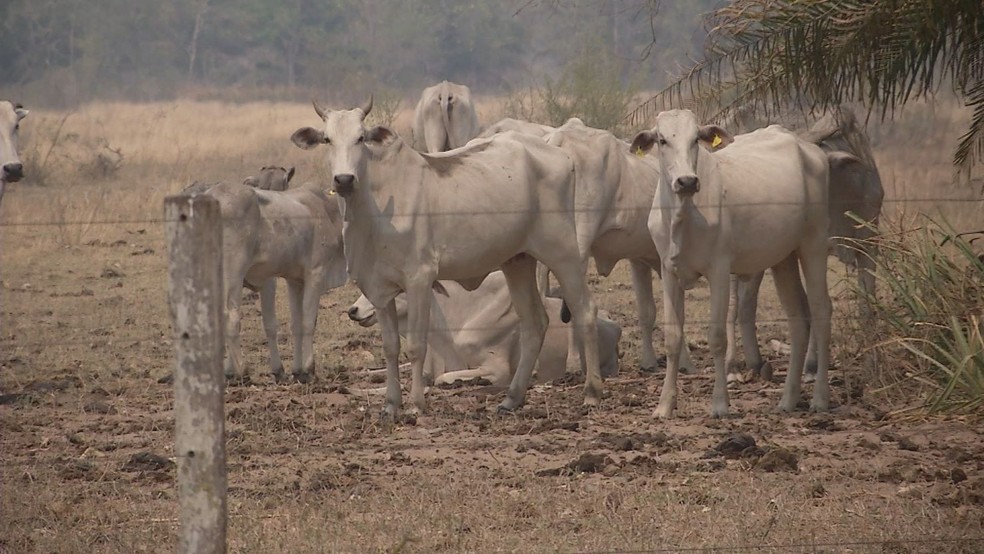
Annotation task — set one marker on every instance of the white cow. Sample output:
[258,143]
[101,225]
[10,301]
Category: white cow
[612,203]
[518,125]
[294,234]
[855,186]
[411,219]
[760,202]
[445,118]
[479,330]
[271,177]
[613,199]
[11,168]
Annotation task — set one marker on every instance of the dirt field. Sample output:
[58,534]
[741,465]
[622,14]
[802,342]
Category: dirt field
[86,428]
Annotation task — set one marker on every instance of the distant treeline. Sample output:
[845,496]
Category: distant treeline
[68,51]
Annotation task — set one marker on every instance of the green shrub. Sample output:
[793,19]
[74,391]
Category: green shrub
[929,315]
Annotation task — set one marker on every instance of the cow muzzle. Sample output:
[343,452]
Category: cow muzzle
[13,172]
[344,184]
[687,185]
[363,320]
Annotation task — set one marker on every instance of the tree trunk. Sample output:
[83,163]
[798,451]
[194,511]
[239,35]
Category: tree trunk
[193,46]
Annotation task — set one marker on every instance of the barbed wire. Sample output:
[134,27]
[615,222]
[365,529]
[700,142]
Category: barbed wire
[702,322]
[465,213]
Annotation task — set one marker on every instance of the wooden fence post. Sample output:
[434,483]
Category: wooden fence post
[193,228]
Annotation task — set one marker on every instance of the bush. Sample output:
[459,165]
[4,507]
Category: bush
[930,316]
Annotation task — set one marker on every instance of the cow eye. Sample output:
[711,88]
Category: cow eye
[360,140]
[327,140]
[661,141]
[17,127]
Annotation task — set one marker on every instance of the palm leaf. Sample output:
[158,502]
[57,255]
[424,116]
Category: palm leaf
[762,55]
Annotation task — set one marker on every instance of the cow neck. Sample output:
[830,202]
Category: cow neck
[389,188]
[685,213]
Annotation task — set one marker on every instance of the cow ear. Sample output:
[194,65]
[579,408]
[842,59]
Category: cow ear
[21,113]
[714,138]
[251,182]
[290,175]
[839,159]
[643,143]
[380,135]
[307,138]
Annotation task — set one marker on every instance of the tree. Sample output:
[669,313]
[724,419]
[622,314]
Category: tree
[762,54]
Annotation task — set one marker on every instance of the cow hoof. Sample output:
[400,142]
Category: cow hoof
[809,377]
[279,377]
[508,406]
[786,406]
[764,371]
[819,407]
[389,414]
[645,369]
[720,413]
[238,380]
[303,377]
[663,412]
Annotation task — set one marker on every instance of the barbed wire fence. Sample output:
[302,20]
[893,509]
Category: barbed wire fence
[201,454]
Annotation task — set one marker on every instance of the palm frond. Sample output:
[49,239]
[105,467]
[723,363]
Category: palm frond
[761,55]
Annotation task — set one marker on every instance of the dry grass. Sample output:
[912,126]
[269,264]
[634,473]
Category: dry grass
[86,334]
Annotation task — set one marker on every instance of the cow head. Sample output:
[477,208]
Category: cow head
[271,178]
[11,169]
[347,141]
[363,312]
[678,136]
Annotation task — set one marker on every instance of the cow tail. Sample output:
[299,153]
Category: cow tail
[565,312]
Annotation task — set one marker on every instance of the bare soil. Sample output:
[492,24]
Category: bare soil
[87,461]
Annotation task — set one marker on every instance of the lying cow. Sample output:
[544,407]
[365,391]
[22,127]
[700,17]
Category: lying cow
[445,118]
[855,187]
[758,201]
[11,168]
[479,330]
[412,219]
[294,234]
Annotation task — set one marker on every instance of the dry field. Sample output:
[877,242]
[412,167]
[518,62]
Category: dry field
[86,428]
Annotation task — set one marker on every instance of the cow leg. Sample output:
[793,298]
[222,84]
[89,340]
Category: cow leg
[234,362]
[419,300]
[814,262]
[310,302]
[575,291]
[748,293]
[295,297]
[729,354]
[794,302]
[268,307]
[642,284]
[520,273]
[389,324]
[673,318]
[717,338]
[866,281]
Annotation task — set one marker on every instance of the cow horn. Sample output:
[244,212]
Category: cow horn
[319,109]
[366,108]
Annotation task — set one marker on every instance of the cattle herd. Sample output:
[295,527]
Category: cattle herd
[444,238]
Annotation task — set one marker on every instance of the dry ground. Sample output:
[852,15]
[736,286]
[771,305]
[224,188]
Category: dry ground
[86,429]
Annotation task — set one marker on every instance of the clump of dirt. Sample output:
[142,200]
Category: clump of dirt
[778,459]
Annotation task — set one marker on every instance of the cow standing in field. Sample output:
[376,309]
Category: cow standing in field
[294,234]
[614,191]
[445,118]
[411,219]
[11,168]
[855,186]
[475,335]
[740,205]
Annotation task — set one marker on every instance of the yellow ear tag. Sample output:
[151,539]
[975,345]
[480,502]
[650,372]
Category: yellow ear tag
[639,152]
[716,142]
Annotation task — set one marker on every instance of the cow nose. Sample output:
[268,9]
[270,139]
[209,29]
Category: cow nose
[13,172]
[687,185]
[353,313]
[344,184]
